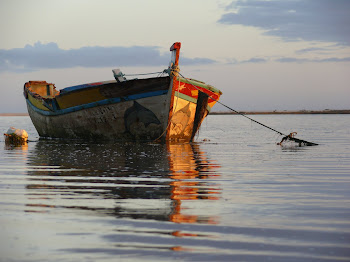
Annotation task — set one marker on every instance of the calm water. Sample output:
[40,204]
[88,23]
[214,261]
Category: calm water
[234,195]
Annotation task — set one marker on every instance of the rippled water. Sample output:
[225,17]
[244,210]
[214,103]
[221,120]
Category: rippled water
[232,196]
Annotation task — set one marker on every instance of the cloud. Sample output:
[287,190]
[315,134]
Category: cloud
[291,60]
[320,50]
[294,20]
[50,56]
[254,60]
[258,60]
[316,60]
[311,49]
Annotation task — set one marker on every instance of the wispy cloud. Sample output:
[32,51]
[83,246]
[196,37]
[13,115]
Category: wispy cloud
[315,60]
[254,60]
[258,60]
[311,49]
[49,56]
[293,20]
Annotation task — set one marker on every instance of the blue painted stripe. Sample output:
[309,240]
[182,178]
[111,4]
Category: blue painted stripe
[71,88]
[98,103]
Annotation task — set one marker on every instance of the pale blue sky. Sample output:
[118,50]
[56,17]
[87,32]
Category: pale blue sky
[263,55]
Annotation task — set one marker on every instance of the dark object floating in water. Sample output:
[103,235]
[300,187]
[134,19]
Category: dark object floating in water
[300,142]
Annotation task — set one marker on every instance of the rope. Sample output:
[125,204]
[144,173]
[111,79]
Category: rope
[153,73]
[235,110]
[290,136]
[251,119]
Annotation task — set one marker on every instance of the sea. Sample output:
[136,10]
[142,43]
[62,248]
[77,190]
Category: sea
[232,195]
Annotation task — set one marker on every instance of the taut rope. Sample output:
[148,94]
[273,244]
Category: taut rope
[286,137]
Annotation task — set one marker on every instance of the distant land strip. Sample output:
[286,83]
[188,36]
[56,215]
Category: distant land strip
[14,114]
[301,112]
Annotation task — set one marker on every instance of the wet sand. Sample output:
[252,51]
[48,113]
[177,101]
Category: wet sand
[13,114]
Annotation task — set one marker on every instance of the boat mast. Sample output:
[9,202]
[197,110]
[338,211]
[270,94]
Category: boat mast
[175,48]
[174,73]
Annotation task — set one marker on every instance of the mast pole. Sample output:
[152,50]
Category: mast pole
[174,73]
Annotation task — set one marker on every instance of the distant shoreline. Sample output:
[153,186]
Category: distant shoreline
[14,114]
[301,112]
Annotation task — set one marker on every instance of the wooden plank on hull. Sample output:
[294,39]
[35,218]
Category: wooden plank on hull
[201,112]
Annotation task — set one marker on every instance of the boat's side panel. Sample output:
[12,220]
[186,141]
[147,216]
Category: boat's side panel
[181,121]
[190,89]
[79,98]
[187,114]
[141,120]
[37,102]
[90,93]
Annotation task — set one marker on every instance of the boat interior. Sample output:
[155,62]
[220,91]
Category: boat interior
[42,88]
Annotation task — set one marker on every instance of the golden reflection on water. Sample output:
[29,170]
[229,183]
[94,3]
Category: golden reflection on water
[23,147]
[188,165]
[87,177]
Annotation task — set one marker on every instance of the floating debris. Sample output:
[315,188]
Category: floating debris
[16,136]
[299,142]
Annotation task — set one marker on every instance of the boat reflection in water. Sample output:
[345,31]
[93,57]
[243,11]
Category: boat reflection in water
[137,181]
[190,169]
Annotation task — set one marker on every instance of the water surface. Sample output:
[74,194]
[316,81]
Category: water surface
[233,195]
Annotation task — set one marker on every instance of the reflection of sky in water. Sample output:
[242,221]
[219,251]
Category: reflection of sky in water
[235,197]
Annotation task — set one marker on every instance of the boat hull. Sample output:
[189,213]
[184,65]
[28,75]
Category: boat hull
[169,110]
[142,119]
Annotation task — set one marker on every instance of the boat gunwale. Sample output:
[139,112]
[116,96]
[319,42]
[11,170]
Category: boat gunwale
[200,84]
[48,102]
[94,85]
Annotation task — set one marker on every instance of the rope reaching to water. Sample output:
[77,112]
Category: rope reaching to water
[286,137]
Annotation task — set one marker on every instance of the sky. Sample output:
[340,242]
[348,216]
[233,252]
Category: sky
[263,55]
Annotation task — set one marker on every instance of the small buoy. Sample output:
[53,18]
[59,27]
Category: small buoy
[16,136]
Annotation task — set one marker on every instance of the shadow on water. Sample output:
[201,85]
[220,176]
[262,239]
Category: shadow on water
[138,181]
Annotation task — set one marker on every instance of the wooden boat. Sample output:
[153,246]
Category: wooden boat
[158,108]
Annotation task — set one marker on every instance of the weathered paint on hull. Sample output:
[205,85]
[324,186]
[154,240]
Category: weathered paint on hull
[122,118]
[192,102]
[182,120]
[143,119]
[189,89]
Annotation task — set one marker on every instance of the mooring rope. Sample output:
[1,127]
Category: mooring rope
[251,119]
[153,73]
[239,113]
